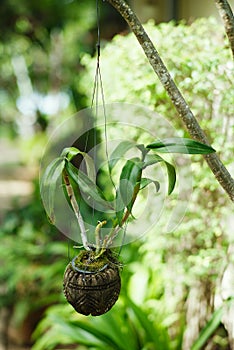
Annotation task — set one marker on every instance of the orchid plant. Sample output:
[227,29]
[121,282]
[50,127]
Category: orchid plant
[78,184]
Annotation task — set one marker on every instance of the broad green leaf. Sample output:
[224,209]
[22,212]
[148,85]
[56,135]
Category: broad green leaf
[180,145]
[119,206]
[48,185]
[75,334]
[89,188]
[152,159]
[119,152]
[129,177]
[153,334]
[114,323]
[70,152]
[100,334]
[208,330]
[146,181]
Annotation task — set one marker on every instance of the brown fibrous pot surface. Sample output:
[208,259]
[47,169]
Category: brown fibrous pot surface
[91,285]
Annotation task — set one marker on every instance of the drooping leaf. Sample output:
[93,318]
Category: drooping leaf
[129,179]
[119,152]
[89,188]
[70,152]
[180,145]
[152,159]
[171,172]
[48,185]
[208,330]
[146,181]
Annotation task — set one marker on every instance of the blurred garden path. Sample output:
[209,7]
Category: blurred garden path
[15,179]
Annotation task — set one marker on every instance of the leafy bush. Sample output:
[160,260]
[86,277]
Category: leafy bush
[32,259]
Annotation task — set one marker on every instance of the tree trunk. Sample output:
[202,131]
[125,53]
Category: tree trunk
[228,20]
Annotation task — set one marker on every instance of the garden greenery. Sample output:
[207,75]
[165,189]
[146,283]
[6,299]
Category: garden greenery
[195,252]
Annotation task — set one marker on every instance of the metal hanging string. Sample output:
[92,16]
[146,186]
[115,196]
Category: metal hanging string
[98,85]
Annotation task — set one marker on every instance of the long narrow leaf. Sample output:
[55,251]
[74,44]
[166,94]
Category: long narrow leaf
[209,329]
[119,152]
[89,188]
[180,145]
[48,185]
[129,178]
[146,181]
[171,177]
[152,159]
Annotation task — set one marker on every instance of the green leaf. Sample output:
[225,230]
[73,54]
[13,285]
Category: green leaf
[153,334]
[119,152]
[129,177]
[152,159]
[146,181]
[70,152]
[171,177]
[180,145]
[89,188]
[209,329]
[119,206]
[48,185]
[143,150]
[100,334]
[114,324]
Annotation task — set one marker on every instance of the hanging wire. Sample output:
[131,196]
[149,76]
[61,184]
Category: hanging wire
[98,85]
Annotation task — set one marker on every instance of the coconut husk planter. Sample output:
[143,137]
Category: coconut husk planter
[92,284]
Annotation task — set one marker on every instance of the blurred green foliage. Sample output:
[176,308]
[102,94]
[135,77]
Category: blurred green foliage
[31,257]
[41,46]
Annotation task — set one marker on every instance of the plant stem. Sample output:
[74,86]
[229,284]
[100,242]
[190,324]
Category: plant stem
[226,14]
[192,125]
[97,234]
[76,210]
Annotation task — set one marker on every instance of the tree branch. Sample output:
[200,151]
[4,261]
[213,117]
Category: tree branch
[226,14]
[193,127]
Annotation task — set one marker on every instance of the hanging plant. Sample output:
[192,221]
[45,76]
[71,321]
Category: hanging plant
[91,280]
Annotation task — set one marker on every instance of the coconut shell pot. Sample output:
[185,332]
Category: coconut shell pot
[92,285]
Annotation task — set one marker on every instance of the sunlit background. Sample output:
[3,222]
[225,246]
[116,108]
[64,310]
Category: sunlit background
[174,283]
